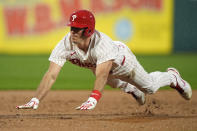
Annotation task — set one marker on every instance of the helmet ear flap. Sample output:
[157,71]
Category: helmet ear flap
[87,32]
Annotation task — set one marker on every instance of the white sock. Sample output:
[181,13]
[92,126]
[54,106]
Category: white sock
[161,79]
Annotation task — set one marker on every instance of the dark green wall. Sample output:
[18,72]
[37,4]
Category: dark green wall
[185,25]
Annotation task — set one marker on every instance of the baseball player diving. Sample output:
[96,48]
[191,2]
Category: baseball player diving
[112,62]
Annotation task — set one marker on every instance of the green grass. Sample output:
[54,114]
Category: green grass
[25,72]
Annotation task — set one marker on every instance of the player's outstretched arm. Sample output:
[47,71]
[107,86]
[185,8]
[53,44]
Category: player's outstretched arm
[102,72]
[45,85]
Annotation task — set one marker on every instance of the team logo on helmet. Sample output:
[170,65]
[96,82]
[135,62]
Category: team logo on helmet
[83,19]
[74,17]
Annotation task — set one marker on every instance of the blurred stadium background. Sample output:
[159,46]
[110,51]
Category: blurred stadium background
[161,33]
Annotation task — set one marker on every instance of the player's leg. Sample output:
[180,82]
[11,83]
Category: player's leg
[149,83]
[128,88]
[153,81]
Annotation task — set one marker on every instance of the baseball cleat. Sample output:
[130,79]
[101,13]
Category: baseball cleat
[182,86]
[139,97]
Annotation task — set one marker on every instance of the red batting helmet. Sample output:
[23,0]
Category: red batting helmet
[83,19]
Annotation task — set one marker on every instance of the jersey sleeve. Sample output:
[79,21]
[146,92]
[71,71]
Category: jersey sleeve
[105,51]
[58,54]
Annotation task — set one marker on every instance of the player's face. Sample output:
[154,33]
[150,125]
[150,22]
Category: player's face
[76,35]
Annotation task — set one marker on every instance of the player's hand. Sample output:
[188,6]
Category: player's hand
[33,104]
[88,105]
[91,102]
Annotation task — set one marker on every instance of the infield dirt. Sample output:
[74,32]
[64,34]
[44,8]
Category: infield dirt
[116,111]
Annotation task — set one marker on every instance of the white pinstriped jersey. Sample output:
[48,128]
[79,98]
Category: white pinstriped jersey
[101,49]
[125,66]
